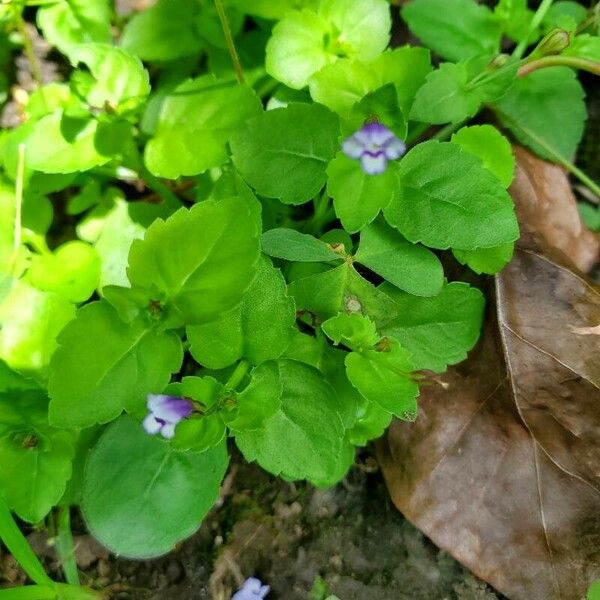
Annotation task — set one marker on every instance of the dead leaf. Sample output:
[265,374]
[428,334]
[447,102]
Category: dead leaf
[547,211]
[502,468]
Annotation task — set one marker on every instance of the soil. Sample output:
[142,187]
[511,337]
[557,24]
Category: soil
[305,543]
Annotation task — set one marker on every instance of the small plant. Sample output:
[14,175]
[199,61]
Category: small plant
[247,245]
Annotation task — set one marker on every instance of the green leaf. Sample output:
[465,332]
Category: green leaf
[304,42]
[72,271]
[357,196]
[584,46]
[31,320]
[564,14]
[201,260]
[201,431]
[545,111]
[455,92]
[340,85]
[371,422]
[121,82]
[60,144]
[447,199]
[437,331]
[259,329]
[307,425]
[104,365]
[165,31]
[342,289]
[455,31]
[67,23]
[590,215]
[383,376]
[594,591]
[260,400]
[409,267]
[298,140]
[515,18]
[290,244]
[487,143]
[142,506]
[11,381]
[486,260]
[267,9]
[352,330]
[35,459]
[195,122]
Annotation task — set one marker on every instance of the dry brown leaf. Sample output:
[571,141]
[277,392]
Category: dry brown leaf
[502,468]
[547,211]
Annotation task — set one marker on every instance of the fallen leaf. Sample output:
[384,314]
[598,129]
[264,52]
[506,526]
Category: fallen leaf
[547,211]
[502,468]
[586,330]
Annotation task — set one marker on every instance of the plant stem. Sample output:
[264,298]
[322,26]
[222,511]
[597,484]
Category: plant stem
[18,228]
[36,69]
[158,187]
[555,156]
[566,61]
[237,376]
[540,13]
[235,59]
[446,131]
[19,547]
[65,547]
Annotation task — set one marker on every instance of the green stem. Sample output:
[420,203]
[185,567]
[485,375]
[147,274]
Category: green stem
[19,547]
[445,132]
[321,215]
[17,231]
[29,592]
[237,376]
[235,59]
[65,547]
[540,13]
[416,131]
[158,187]
[566,61]
[555,156]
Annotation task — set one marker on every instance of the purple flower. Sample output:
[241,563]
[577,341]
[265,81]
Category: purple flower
[165,413]
[374,144]
[253,589]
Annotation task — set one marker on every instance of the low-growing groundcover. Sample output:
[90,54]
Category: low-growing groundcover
[231,223]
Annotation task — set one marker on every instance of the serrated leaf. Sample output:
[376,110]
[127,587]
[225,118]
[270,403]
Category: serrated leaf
[437,331]
[165,31]
[371,422]
[298,140]
[196,119]
[545,110]
[447,199]
[455,31]
[143,506]
[304,42]
[31,320]
[121,82]
[259,329]
[292,245]
[342,289]
[59,144]
[408,266]
[487,143]
[201,260]
[357,196]
[35,459]
[103,366]
[352,330]
[486,260]
[306,424]
[72,22]
[383,376]
[71,271]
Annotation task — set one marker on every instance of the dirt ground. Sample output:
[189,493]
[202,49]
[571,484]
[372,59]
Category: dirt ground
[305,543]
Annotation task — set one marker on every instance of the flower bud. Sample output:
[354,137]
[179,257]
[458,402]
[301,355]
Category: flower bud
[553,43]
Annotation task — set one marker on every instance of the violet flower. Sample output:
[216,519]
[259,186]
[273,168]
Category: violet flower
[374,145]
[165,413]
[253,589]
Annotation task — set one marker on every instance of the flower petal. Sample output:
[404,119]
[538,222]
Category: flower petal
[375,133]
[394,148]
[151,425]
[373,164]
[168,430]
[352,147]
[173,409]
